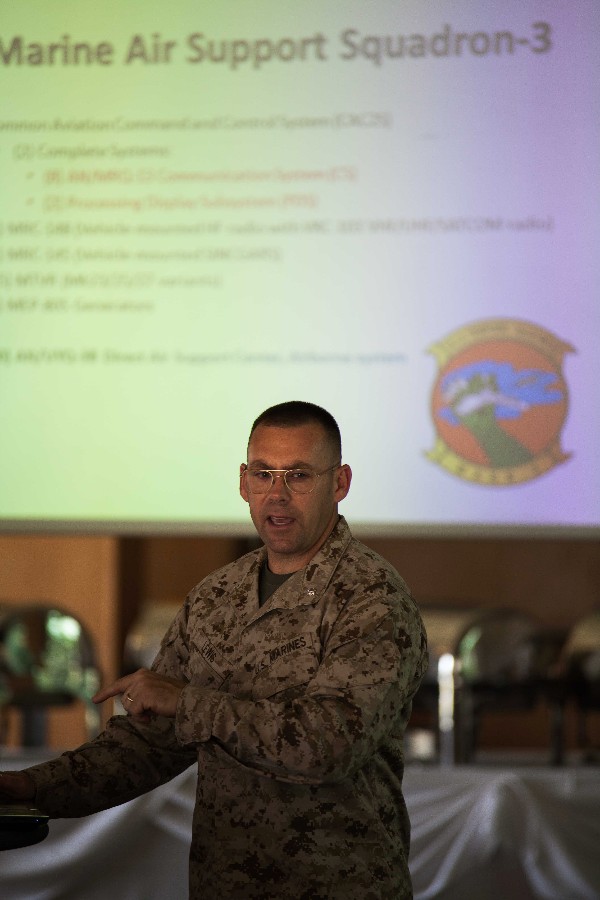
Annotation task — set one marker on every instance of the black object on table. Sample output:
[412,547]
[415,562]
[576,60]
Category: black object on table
[21,825]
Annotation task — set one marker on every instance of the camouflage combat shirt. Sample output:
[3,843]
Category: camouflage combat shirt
[295,713]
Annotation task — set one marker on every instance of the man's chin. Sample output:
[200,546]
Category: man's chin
[280,538]
[280,543]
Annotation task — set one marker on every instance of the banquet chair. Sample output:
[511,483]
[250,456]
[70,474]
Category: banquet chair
[47,659]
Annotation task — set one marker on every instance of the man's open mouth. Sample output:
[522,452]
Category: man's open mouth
[280,520]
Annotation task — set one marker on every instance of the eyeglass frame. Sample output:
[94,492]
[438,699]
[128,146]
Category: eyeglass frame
[283,473]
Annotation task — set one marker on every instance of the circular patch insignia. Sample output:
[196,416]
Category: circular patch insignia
[499,402]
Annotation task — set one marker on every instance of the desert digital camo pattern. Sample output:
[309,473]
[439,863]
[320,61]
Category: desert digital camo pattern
[295,712]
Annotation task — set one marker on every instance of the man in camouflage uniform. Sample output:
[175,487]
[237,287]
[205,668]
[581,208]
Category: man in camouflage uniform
[288,677]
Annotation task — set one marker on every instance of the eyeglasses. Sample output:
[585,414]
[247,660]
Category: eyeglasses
[299,481]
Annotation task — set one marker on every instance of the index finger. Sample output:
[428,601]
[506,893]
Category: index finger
[117,687]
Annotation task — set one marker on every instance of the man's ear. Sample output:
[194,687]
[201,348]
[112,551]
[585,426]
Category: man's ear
[243,489]
[343,479]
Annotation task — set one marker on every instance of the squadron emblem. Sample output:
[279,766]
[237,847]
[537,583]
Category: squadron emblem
[499,402]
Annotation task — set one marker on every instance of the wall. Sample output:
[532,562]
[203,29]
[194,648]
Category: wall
[558,581]
[106,581]
[79,575]
[555,581]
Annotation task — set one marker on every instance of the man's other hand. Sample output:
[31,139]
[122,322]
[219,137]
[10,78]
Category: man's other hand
[144,694]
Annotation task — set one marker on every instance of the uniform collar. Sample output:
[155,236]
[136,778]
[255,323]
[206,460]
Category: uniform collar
[306,586]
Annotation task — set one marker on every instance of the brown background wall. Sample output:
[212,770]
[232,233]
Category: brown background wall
[79,575]
[105,581]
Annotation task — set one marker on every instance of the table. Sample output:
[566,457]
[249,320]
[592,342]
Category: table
[479,833]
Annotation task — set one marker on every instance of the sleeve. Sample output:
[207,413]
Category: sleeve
[359,697]
[127,759]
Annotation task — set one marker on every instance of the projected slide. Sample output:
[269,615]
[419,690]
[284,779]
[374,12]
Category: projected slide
[389,209]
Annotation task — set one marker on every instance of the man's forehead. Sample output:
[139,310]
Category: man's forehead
[298,443]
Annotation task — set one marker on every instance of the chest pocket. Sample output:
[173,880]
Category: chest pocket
[207,665]
[284,668]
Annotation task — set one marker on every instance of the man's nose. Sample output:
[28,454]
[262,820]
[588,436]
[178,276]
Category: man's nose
[278,487]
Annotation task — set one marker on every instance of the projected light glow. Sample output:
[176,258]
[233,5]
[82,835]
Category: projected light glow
[387,209]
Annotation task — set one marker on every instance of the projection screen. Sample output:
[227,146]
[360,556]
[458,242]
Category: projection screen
[386,208]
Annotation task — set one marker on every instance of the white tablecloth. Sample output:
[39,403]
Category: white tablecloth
[478,834]
[502,834]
